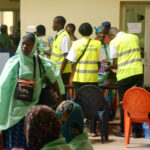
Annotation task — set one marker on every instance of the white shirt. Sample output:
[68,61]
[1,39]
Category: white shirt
[73,57]
[65,44]
[113,50]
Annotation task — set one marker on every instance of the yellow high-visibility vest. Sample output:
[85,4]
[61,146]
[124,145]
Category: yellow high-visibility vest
[87,67]
[129,56]
[57,54]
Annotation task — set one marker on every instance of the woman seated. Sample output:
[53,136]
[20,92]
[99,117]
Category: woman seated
[72,125]
[42,130]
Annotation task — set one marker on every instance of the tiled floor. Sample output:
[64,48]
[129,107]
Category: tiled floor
[117,143]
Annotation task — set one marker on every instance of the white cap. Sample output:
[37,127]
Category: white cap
[31,29]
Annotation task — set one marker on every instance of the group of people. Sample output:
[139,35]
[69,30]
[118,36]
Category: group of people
[68,57]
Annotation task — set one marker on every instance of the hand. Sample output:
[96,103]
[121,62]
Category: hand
[107,68]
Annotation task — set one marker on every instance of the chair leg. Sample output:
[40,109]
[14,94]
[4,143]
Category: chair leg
[101,129]
[127,127]
[105,118]
[129,133]
[100,114]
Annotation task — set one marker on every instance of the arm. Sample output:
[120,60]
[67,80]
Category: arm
[113,66]
[72,58]
[56,88]
[65,61]
[73,68]
[65,46]
[113,55]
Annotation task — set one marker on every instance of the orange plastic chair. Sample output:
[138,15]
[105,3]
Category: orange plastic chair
[136,104]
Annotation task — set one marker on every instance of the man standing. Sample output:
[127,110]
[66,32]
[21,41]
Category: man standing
[61,48]
[125,52]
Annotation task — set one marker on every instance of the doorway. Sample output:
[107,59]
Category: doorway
[135,18]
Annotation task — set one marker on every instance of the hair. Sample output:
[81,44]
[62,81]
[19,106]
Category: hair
[85,29]
[3,28]
[41,29]
[60,20]
[72,26]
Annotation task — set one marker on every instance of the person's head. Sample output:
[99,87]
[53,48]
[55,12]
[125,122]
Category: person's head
[40,30]
[3,28]
[113,32]
[85,29]
[107,26]
[59,23]
[70,28]
[99,31]
[41,127]
[71,118]
[27,43]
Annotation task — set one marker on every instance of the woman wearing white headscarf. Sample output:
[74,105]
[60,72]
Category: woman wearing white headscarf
[22,66]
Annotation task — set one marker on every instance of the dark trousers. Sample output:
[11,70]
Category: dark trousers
[92,125]
[124,85]
[65,78]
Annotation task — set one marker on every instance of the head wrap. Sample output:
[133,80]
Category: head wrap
[106,25]
[98,29]
[29,36]
[41,127]
[26,62]
[71,117]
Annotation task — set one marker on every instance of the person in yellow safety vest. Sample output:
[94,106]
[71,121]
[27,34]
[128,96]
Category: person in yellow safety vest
[60,49]
[86,70]
[125,52]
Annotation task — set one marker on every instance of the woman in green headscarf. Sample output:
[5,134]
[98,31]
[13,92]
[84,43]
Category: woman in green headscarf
[71,117]
[22,66]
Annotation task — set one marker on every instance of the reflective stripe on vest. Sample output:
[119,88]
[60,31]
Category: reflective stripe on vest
[87,62]
[87,68]
[129,62]
[128,51]
[57,54]
[86,71]
[129,57]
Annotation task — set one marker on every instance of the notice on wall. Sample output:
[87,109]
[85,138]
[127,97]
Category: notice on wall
[3,57]
[134,27]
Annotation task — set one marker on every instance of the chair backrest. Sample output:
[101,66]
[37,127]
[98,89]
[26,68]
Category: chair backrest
[91,99]
[136,101]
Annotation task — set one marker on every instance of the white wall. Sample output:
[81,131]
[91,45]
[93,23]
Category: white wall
[43,11]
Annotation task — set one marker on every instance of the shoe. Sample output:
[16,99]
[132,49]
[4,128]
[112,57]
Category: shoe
[119,134]
[93,134]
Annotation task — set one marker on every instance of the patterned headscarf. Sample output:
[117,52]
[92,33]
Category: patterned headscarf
[41,127]
[71,117]
[98,29]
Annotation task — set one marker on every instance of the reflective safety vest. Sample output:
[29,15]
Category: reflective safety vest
[57,54]
[129,56]
[87,67]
